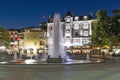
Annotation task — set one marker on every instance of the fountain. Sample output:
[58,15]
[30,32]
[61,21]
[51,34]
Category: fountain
[88,57]
[31,60]
[20,55]
[36,56]
[56,49]
[15,58]
[30,56]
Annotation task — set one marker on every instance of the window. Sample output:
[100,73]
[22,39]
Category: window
[50,27]
[28,37]
[11,39]
[27,30]
[85,25]
[11,33]
[67,40]
[76,34]
[67,26]
[35,42]
[67,33]
[68,19]
[35,37]
[76,41]
[86,40]
[25,51]
[68,37]
[42,42]
[76,26]
[85,33]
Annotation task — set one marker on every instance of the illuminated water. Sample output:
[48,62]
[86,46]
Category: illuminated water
[56,48]
[88,57]
[15,56]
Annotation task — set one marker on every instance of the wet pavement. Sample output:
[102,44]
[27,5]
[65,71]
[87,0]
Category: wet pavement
[109,70]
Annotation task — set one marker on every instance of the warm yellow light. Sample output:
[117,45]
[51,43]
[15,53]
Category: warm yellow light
[98,48]
[98,61]
[106,46]
[2,47]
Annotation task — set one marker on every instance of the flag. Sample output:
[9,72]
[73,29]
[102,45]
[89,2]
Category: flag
[43,17]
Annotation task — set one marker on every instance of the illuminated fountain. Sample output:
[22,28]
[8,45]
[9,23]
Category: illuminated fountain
[56,48]
[31,60]
[15,58]
[20,55]
[88,57]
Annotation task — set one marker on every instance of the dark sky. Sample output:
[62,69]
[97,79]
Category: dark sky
[26,13]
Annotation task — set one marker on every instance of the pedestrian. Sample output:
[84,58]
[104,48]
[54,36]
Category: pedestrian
[103,54]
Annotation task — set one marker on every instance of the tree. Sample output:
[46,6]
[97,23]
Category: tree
[115,28]
[4,37]
[100,35]
[94,34]
[116,11]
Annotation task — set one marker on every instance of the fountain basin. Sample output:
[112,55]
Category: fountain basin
[31,61]
[17,61]
[54,60]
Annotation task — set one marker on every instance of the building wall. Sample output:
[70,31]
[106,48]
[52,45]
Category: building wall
[13,38]
[31,40]
[16,43]
[76,32]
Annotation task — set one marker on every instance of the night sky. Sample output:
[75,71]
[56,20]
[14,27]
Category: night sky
[26,13]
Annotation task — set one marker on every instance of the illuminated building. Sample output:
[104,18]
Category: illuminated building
[31,40]
[77,31]
[34,40]
[20,40]
[16,40]
[13,40]
[43,38]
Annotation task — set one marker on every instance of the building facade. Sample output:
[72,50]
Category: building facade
[34,40]
[16,40]
[77,32]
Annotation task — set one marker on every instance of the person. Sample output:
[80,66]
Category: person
[103,54]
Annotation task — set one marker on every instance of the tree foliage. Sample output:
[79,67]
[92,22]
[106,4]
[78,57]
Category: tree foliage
[106,30]
[100,29]
[115,28]
[4,37]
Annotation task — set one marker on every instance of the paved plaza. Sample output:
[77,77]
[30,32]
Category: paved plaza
[108,70]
